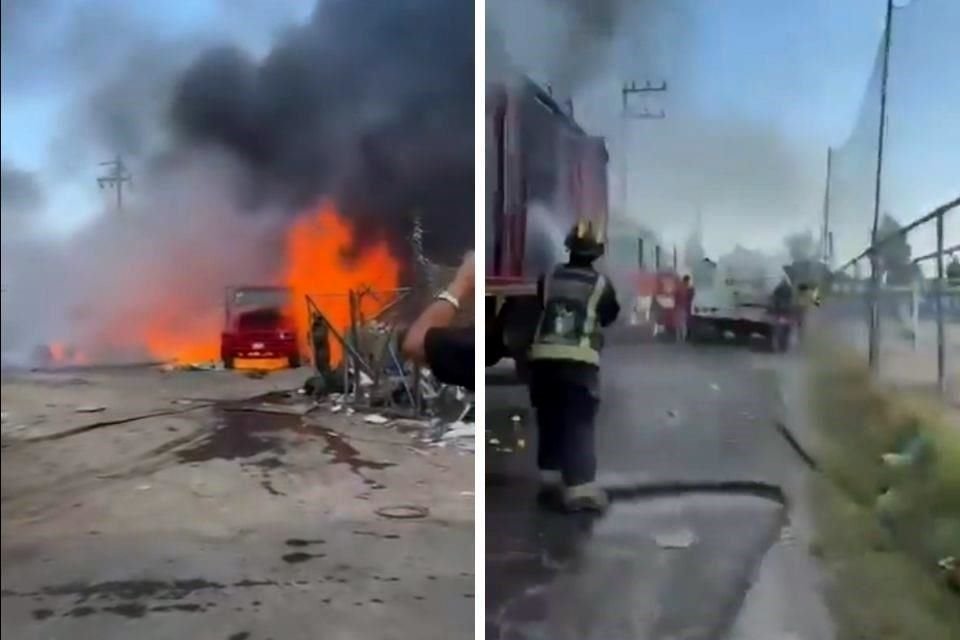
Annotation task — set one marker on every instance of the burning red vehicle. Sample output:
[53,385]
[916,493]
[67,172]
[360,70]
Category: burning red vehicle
[259,326]
[544,174]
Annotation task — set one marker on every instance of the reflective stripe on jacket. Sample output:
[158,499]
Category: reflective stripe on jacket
[568,328]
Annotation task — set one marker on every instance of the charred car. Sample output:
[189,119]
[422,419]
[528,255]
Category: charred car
[259,325]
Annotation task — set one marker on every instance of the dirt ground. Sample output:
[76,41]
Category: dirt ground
[139,503]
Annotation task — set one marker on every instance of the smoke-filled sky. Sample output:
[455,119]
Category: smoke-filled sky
[82,80]
[371,103]
[235,117]
[758,90]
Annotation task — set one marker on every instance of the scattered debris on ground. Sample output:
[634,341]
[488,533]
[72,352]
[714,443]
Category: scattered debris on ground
[191,458]
[679,539]
[90,409]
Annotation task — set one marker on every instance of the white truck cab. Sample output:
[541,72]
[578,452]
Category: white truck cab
[728,302]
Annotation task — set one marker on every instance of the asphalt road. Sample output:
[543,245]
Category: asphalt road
[190,513]
[688,435]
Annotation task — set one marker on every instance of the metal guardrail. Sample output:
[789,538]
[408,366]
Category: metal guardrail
[936,216]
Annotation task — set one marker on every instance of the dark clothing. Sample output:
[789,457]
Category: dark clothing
[450,353]
[608,308]
[578,374]
[953,273]
[566,413]
[566,396]
[495,349]
[782,299]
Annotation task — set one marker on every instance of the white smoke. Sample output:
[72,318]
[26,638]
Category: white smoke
[164,260]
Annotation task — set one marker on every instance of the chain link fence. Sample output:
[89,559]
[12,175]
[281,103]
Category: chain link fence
[894,300]
[911,314]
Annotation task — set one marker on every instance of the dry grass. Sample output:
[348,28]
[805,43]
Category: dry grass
[883,560]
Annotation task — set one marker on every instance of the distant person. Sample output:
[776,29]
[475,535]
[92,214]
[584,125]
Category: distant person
[430,340]
[953,272]
[576,303]
[807,297]
[782,298]
[685,295]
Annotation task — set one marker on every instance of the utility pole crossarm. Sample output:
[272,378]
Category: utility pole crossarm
[115,178]
[632,88]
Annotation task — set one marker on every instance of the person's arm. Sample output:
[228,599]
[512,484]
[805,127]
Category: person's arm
[440,313]
[609,307]
[450,353]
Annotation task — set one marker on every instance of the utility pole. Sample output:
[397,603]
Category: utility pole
[941,337]
[115,178]
[627,114]
[874,337]
[826,238]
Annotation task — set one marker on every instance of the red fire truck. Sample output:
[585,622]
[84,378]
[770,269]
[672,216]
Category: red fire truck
[543,174]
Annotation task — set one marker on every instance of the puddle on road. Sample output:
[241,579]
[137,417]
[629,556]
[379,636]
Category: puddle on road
[128,598]
[297,557]
[245,435]
[651,535]
[298,542]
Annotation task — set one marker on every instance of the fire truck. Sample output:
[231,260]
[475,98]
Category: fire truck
[544,173]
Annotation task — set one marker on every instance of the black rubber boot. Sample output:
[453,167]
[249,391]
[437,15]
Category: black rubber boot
[551,488]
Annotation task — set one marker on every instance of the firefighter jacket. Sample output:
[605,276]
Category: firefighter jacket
[569,327]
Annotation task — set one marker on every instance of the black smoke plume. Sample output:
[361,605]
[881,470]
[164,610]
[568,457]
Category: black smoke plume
[370,103]
[21,198]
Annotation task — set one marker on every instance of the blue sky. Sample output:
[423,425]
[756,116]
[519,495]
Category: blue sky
[43,74]
[30,114]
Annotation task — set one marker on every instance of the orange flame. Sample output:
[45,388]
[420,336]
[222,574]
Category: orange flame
[191,340]
[62,354]
[315,263]
[58,352]
[317,266]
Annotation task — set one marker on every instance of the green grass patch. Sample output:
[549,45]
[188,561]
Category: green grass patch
[883,527]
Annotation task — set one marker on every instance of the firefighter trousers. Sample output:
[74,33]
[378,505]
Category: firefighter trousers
[566,413]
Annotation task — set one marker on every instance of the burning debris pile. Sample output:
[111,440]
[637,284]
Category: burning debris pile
[303,169]
[361,368]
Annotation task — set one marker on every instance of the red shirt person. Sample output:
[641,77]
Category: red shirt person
[684,298]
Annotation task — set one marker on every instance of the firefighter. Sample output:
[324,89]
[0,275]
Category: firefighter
[576,303]
[807,297]
[784,310]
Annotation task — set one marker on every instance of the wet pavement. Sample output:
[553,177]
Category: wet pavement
[241,520]
[688,437]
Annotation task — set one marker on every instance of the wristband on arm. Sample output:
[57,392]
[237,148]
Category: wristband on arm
[448,297]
